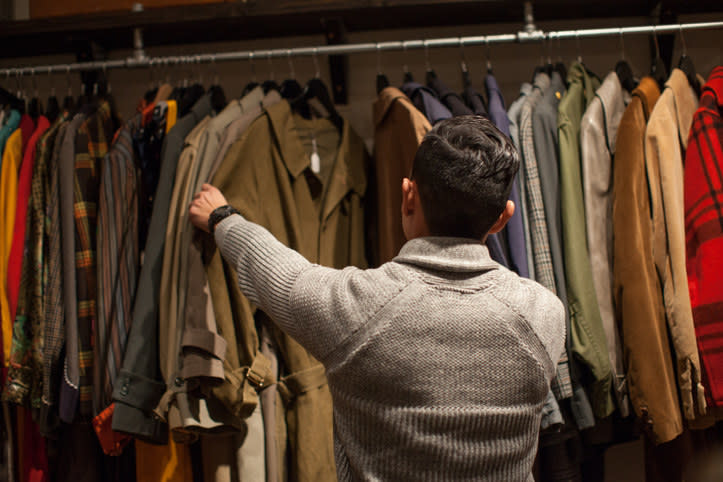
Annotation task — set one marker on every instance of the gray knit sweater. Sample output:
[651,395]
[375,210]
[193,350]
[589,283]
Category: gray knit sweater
[438,362]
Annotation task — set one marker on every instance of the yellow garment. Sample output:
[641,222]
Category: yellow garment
[163,463]
[8,198]
[171,114]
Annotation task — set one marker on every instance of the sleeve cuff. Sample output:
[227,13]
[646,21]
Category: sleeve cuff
[230,251]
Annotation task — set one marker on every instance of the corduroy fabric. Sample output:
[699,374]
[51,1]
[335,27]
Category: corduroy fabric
[438,362]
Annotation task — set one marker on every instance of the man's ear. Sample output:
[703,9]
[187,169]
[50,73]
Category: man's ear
[408,196]
[504,217]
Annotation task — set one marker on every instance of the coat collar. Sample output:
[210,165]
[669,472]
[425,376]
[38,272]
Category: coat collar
[348,172]
[614,100]
[686,103]
[714,87]
[459,255]
[648,92]
[384,102]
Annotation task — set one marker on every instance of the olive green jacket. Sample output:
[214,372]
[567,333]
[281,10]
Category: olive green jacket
[587,335]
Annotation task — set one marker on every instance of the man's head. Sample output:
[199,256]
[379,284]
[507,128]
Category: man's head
[461,181]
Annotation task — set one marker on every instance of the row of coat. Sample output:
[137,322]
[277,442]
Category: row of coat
[123,329]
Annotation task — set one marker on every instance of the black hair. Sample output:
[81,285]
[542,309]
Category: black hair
[464,170]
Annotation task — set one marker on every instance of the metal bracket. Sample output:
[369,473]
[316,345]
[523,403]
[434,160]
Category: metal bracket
[139,54]
[530,32]
[338,64]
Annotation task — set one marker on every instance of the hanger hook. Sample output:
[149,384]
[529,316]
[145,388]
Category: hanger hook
[579,48]
[67,76]
[166,67]
[405,67]
[317,71]
[292,72]
[108,87]
[214,67]
[18,74]
[271,66]
[622,43]
[548,44]
[427,63]
[253,66]
[655,39]
[200,69]
[150,72]
[52,81]
[34,82]
[682,41]
[461,52]
[379,59]
[488,51]
[559,49]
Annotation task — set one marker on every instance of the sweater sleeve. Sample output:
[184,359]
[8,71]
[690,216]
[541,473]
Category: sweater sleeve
[319,307]
[266,269]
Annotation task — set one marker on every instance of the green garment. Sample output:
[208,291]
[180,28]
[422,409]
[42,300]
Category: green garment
[587,334]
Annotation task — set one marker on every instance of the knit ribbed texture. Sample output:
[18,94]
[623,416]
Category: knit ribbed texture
[438,362]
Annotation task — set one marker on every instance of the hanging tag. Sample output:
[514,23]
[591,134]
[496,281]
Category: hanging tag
[315,159]
[315,162]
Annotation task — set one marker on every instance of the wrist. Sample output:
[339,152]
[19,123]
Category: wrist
[218,215]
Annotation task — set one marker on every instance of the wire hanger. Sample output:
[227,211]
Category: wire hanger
[407,74]
[270,84]
[686,65]
[382,81]
[316,90]
[69,101]
[35,107]
[466,82]
[8,99]
[579,47]
[623,69]
[488,55]
[253,83]
[431,74]
[52,110]
[21,92]
[290,88]
[218,96]
[657,67]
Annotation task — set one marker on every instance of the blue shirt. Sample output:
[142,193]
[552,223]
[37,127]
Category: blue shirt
[10,126]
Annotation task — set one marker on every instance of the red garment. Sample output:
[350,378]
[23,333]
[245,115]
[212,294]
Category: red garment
[27,126]
[15,260]
[111,442]
[704,232]
[33,457]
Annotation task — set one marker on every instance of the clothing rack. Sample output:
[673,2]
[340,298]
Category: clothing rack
[528,35]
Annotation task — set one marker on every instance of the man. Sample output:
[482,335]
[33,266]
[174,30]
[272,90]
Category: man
[439,361]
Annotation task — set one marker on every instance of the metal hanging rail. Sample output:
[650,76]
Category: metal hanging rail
[528,35]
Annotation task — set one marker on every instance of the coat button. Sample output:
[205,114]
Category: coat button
[178,381]
[124,389]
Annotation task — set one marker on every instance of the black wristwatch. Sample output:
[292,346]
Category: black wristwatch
[219,214]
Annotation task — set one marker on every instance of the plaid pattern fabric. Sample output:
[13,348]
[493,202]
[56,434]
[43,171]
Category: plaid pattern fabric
[91,146]
[26,358]
[54,314]
[118,261]
[544,272]
[535,203]
[704,232]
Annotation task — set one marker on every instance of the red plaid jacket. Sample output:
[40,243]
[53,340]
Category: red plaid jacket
[704,232]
